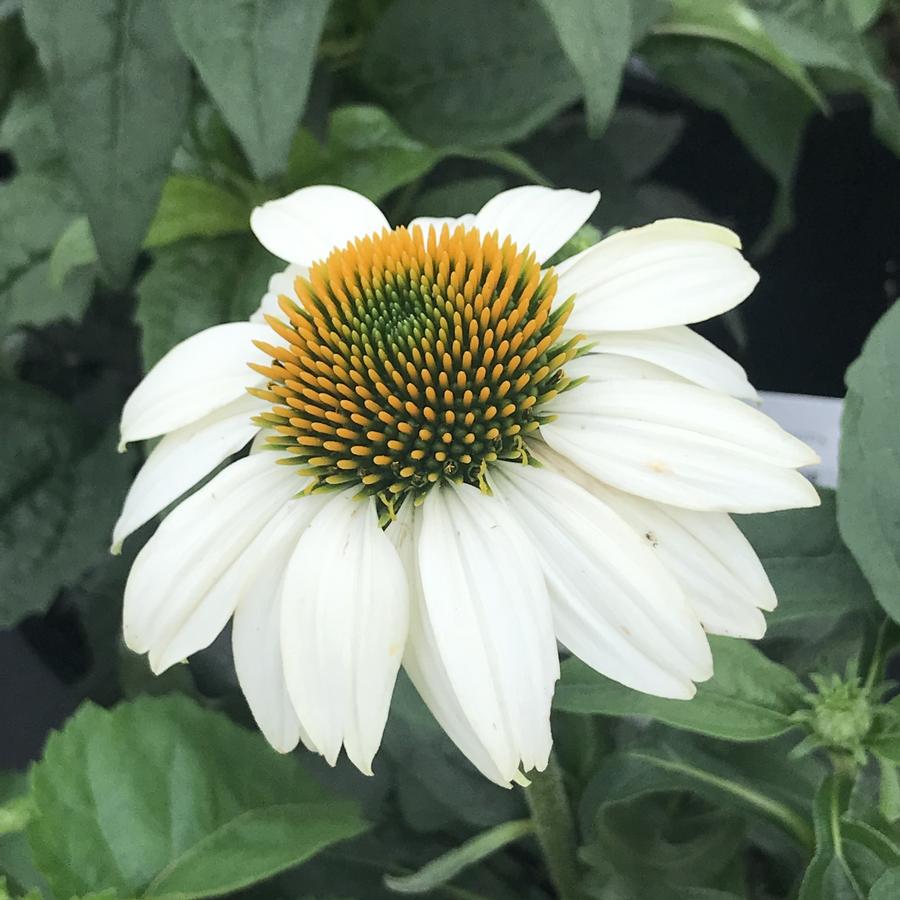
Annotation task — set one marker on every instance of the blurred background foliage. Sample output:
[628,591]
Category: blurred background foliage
[135,138]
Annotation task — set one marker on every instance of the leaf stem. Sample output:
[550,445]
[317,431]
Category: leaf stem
[555,828]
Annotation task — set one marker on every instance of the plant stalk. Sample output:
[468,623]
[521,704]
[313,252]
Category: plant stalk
[555,828]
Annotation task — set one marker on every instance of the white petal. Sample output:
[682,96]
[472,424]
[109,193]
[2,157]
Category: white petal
[345,615]
[256,631]
[672,272]
[487,608]
[680,350]
[438,222]
[614,604]
[307,225]
[706,552]
[196,377]
[281,283]
[689,408]
[539,217]
[174,605]
[598,367]
[422,660]
[182,458]
[710,558]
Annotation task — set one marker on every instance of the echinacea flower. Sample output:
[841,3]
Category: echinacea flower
[458,458]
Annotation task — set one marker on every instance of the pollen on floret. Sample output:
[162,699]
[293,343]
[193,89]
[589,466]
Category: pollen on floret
[414,358]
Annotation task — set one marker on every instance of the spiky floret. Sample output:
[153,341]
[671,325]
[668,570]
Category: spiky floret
[414,358]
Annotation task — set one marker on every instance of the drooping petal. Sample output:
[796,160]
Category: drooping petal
[707,554]
[676,349]
[423,662]
[196,377]
[539,217]
[256,629]
[438,222]
[182,458]
[682,445]
[174,602]
[308,224]
[345,615]
[485,604]
[614,604]
[672,272]
[281,283]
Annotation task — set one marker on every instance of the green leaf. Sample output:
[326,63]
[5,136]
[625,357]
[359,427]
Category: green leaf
[814,574]
[60,493]
[869,482]
[479,74]
[195,284]
[865,12]
[15,856]
[597,39]
[887,887]
[851,855]
[734,22]
[823,36]
[35,209]
[256,59]
[366,151]
[749,698]
[759,782]
[168,799]
[119,90]
[443,869]
[190,207]
[765,111]
[26,128]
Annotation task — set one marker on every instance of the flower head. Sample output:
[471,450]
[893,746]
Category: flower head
[457,458]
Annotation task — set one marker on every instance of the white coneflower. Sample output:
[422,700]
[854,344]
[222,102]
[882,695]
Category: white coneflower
[458,458]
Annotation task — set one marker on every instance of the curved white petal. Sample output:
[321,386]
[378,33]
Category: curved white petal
[422,660]
[599,367]
[487,609]
[280,283]
[539,217]
[308,224]
[256,631]
[438,222]
[196,377]
[706,552]
[676,349]
[672,272]
[175,601]
[345,615]
[614,605]
[686,407]
[710,558]
[182,458]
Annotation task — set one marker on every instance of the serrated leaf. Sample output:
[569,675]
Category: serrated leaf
[869,483]
[193,285]
[749,697]
[489,74]
[256,59]
[60,493]
[168,799]
[596,35]
[35,209]
[119,90]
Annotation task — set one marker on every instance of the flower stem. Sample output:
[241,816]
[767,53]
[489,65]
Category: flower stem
[555,828]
